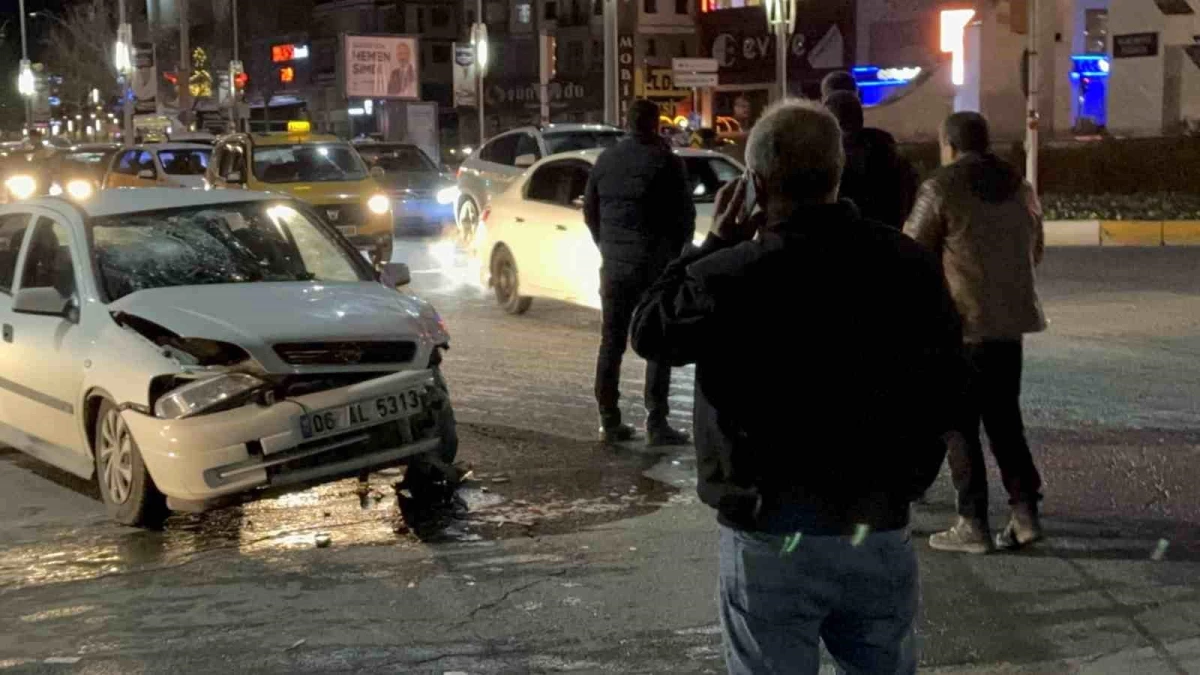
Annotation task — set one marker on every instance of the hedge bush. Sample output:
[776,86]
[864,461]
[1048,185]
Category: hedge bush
[1143,206]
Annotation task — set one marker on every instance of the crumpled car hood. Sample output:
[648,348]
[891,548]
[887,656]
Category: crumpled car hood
[258,315]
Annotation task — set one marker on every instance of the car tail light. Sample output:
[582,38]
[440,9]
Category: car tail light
[487,211]
[458,174]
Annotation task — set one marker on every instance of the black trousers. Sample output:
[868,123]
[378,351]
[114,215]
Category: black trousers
[993,398]
[620,291]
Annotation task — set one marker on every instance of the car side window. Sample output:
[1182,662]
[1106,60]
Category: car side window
[527,145]
[145,162]
[12,233]
[544,183]
[559,183]
[48,259]
[231,160]
[127,163]
[503,150]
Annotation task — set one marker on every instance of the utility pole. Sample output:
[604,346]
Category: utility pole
[479,40]
[235,68]
[1031,126]
[612,113]
[185,68]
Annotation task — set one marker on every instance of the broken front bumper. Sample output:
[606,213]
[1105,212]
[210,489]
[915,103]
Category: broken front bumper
[200,460]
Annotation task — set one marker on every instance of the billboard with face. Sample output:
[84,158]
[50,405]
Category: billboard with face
[382,66]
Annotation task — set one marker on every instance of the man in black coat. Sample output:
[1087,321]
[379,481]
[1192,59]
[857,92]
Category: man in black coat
[880,182]
[640,212]
[812,435]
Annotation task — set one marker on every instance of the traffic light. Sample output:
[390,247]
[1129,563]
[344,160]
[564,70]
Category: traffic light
[240,80]
[287,75]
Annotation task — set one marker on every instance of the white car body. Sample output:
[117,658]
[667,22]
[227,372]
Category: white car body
[56,370]
[492,168]
[549,241]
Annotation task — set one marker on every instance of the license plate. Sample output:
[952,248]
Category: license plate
[348,230]
[364,413]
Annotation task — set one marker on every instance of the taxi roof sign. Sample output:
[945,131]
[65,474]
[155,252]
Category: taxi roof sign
[299,126]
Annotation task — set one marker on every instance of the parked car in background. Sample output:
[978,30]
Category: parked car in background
[504,158]
[322,170]
[179,165]
[533,242]
[423,197]
[188,347]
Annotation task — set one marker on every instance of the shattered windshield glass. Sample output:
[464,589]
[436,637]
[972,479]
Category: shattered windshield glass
[307,163]
[224,244]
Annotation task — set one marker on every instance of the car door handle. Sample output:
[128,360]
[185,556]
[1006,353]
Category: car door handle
[561,228]
[8,332]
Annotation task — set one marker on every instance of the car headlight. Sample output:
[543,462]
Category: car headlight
[21,186]
[379,204]
[447,195]
[196,397]
[55,190]
[79,189]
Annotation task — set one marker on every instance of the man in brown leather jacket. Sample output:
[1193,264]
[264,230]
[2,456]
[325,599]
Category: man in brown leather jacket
[983,221]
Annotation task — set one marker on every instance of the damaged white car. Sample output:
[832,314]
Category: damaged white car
[190,348]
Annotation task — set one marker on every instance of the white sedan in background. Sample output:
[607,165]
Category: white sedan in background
[533,241]
[185,347]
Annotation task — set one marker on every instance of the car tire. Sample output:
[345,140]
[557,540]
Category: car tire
[125,484]
[506,283]
[467,221]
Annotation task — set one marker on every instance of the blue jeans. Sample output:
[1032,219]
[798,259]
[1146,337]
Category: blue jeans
[780,598]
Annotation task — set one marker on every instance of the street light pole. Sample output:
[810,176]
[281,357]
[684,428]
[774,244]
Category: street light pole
[781,15]
[26,69]
[125,68]
[1031,126]
[612,113]
[479,40]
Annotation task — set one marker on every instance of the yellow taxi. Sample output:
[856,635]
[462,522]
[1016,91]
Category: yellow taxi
[322,170]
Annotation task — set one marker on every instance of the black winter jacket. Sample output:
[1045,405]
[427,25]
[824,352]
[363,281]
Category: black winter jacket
[638,205]
[880,182]
[828,362]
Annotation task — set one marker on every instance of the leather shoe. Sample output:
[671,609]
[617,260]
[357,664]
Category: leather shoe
[664,436]
[619,433]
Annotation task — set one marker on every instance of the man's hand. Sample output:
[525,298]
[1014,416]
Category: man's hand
[729,223]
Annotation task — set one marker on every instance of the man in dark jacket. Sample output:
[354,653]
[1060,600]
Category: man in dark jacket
[640,211]
[880,182]
[812,437]
[982,220]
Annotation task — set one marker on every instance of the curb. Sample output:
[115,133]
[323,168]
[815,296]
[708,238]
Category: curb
[1143,233]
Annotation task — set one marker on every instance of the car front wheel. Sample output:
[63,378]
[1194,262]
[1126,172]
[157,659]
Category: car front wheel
[125,485]
[506,283]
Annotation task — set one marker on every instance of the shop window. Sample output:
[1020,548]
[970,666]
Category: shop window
[551,13]
[650,6]
[524,13]
[681,6]
[1095,31]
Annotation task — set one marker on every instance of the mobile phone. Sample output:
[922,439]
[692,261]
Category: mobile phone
[749,198]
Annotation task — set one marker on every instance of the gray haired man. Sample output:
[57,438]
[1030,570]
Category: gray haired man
[827,354]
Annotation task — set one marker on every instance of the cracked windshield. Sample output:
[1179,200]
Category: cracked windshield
[640,338]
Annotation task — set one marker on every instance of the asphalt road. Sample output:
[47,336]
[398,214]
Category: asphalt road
[581,558]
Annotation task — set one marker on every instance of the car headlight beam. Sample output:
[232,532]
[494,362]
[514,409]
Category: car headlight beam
[21,186]
[79,189]
[199,396]
[379,204]
[447,195]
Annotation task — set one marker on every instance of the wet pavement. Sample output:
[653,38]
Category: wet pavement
[576,557]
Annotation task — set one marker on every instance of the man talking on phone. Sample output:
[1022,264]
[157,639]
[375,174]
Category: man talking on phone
[812,439]
[640,212]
